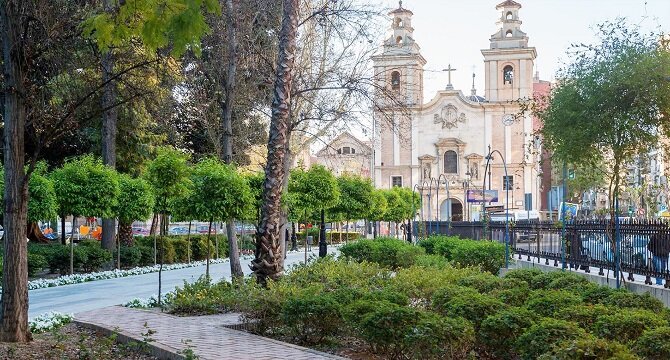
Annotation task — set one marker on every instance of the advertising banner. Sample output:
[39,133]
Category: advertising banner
[478,196]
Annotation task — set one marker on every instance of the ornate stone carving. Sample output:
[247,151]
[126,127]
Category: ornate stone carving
[449,117]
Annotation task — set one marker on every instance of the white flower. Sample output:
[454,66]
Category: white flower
[47,321]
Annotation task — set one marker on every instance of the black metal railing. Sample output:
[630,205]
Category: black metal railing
[635,247]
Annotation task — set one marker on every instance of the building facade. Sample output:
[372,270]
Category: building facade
[440,148]
[346,155]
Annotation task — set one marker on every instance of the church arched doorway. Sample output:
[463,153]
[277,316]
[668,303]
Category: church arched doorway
[451,209]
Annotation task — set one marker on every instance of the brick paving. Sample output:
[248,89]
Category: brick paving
[206,335]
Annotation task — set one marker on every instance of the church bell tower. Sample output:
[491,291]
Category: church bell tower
[508,63]
[399,67]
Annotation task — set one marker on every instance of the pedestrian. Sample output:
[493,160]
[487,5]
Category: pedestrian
[659,246]
[309,242]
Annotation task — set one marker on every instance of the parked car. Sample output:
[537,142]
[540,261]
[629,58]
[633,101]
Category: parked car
[179,230]
[139,231]
[203,229]
[633,248]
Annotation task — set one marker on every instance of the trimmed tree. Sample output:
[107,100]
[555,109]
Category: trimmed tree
[85,187]
[355,198]
[219,193]
[378,208]
[136,202]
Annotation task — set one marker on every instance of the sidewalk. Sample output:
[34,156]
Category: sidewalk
[205,335]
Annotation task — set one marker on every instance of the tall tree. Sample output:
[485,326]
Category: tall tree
[611,103]
[267,263]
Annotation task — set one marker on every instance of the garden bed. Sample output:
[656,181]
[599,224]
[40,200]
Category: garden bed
[73,342]
[409,304]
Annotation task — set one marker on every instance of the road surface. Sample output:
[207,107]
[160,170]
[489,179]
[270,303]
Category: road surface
[102,293]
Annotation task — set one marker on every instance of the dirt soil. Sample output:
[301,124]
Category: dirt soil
[73,342]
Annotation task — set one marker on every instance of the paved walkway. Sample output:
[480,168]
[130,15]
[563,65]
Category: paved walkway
[205,335]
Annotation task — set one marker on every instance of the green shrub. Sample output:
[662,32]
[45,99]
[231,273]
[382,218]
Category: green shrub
[312,317]
[199,248]
[147,254]
[89,242]
[559,280]
[181,250]
[387,252]
[527,275]
[200,298]
[512,291]
[334,274]
[484,283]
[445,245]
[96,257]
[627,324]
[628,300]
[59,259]
[589,348]
[431,261]
[584,315]
[654,344]
[36,263]
[541,337]
[498,332]
[421,283]
[469,304]
[437,337]
[384,326]
[596,294]
[165,251]
[550,302]
[131,256]
[487,255]
[430,243]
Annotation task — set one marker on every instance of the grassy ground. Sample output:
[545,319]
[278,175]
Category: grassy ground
[74,342]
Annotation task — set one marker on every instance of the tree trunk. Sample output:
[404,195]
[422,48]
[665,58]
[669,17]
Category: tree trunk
[227,124]
[35,234]
[62,229]
[188,240]
[209,232]
[14,303]
[126,233]
[74,225]
[235,267]
[109,117]
[154,225]
[267,262]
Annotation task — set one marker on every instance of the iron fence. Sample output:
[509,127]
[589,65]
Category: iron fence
[635,247]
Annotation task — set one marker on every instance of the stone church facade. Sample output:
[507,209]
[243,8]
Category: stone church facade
[444,143]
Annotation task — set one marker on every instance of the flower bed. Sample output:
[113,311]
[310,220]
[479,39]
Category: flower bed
[112,274]
[139,303]
[48,321]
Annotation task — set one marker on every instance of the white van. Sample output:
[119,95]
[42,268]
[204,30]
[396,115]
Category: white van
[516,215]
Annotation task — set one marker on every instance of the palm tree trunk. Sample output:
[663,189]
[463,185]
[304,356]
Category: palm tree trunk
[126,233]
[267,262]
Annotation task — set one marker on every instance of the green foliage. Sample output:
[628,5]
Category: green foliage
[484,283]
[550,302]
[386,325]
[654,344]
[218,192]
[437,337]
[387,252]
[201,297]
[378,205]
[584,315]
[421,283]
[181,250]
[312,190]
[312,317]
[42,202]
[59,258]
[135,201]
[401,204]
[499,332]
[541,337]
[627,325]
[431,261]
[131,256]
[468,304]
[86,187]
[609,100]
[526,275]
[168,176]
[628,300]
[355,197]
[178,24]
[96,256]
[255,181]
[488,255]
[36,263]
[589,348]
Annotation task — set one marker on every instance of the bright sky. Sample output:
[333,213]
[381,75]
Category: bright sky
[454,31]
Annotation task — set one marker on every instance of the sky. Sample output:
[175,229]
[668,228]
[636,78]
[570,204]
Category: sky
[454,31]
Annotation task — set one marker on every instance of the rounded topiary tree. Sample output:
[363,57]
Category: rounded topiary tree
[219,193]
[85,187]
[377,210]
[314,190]
[135,202]
[355,198]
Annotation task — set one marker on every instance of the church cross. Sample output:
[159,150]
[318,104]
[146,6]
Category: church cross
[449,69]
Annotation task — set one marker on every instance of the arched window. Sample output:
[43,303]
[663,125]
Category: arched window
[353,151]
[398,40]
[398,22]
[508,75]
[509,15]
[395,80]
[450,162]
[508,33]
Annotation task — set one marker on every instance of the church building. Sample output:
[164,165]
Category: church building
[440,148]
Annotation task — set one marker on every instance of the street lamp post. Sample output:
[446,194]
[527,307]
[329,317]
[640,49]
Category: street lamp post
[489,157]
[323,245]
[414,210]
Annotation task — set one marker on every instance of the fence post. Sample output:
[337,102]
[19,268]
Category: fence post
[563,217]
[617,242]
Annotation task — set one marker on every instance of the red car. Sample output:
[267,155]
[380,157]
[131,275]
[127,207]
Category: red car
[203,229]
